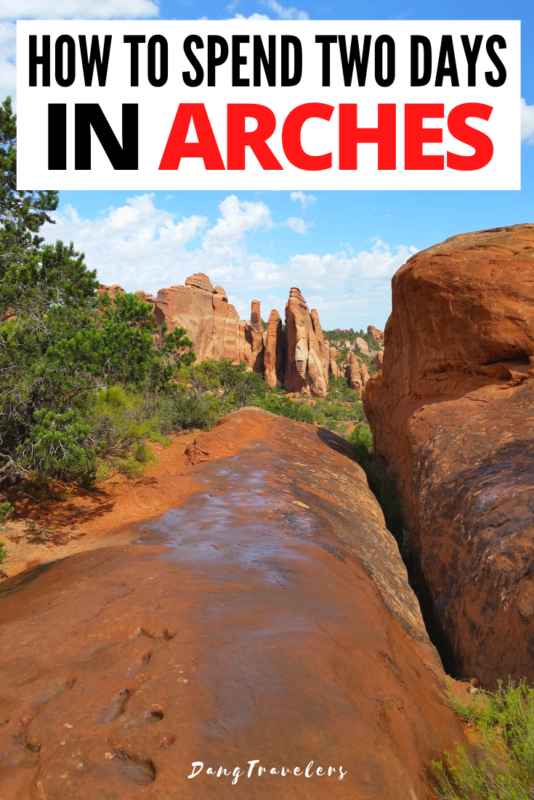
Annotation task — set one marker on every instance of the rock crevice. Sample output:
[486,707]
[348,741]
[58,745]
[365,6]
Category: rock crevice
[452,415]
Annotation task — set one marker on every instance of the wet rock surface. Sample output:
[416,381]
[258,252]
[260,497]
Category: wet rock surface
[451,414]
[266,617]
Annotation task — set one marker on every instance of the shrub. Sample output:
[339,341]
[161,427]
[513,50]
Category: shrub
[503,769]
[57,445]
[120,419]
[5,508]
[183,410]
[143,454]
[306,414]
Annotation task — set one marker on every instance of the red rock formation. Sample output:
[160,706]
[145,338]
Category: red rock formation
[146,298]
[189,307]
[112,291]
[256,336]
[274,356]
[357,373]
[217,332]
[378,359]
[212,323]
[452,414]
[200,281]
[225,329]
[362,346]
[269,621]
[322,344]
[376,334]
[333,367]
[305,371]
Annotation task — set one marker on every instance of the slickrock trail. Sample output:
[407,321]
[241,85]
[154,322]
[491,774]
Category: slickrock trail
[267,617]
[451,415]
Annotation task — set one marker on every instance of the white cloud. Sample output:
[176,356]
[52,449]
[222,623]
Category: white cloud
[296,224]
[285,13]
[78,9]
[342,268]
[8,49]
[129,244]
[141,246]
[11,10]
[527,122]
[257,17]
[304,199]
[238,217]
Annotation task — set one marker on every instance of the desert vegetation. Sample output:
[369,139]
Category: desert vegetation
[500,725]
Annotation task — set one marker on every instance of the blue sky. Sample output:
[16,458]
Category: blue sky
[340,248]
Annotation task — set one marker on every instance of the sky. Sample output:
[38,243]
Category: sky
[340,248]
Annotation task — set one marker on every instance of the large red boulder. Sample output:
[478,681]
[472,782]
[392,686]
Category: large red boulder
[452,414]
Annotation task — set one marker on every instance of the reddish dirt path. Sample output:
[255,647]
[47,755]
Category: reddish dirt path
[265,617]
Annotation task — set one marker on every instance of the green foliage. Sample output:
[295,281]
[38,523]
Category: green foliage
[57,445]
[381,482]
[3,552]
[185,409]
[502,768]
[231,383]
[60,344]
[5,509]
[121,419]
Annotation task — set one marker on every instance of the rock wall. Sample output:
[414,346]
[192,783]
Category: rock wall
[452,414]
[378,359]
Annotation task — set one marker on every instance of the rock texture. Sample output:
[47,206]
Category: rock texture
[189,307]
[256,336]
[267,617]
[378,359]
[307,356]
[275,351]
[357,373]
[333,367]
[145,297]
[376,334]
[452,414]
[212,323]
[362,345]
